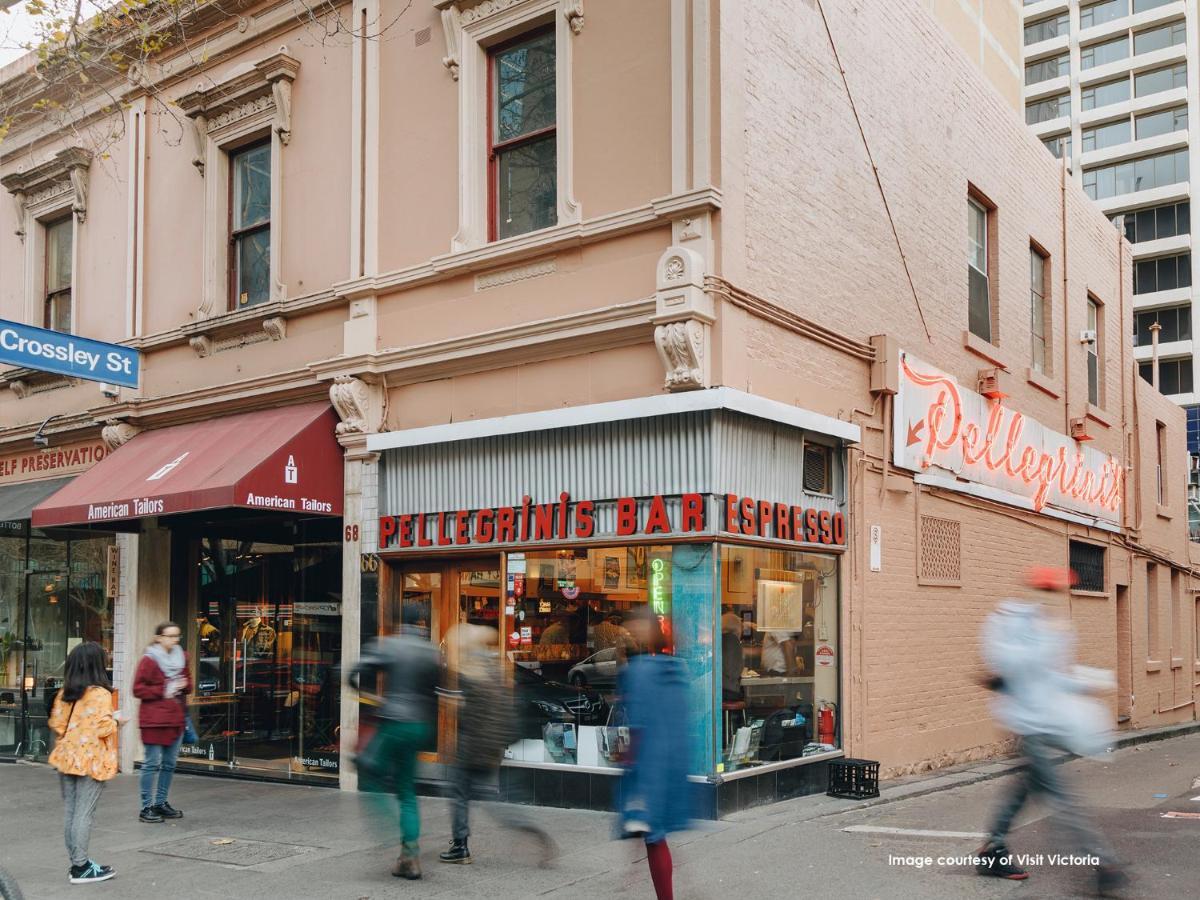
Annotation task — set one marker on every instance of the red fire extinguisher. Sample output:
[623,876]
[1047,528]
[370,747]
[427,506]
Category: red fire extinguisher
[825,722]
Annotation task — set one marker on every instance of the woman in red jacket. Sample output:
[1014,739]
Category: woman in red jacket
[161,683]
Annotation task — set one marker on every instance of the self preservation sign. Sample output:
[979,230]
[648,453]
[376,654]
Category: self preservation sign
[68,354]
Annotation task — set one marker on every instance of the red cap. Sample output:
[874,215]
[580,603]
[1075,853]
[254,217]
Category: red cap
[1051,578]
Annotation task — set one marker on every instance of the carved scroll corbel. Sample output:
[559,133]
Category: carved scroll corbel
[681,348]
[281,91]
[115,433]
[78,175]
[275,327]
[360,405]
[200,135]
[19,388]
[574,15]
[202,345]
[450,29]
[19,202]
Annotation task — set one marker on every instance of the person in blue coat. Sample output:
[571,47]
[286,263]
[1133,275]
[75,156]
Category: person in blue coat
[655,794]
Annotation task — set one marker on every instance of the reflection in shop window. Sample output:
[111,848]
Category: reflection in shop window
[778,645]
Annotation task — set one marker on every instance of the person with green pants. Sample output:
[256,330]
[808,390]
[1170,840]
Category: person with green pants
[410,668]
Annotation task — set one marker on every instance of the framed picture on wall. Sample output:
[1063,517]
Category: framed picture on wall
[635,568]
[612,573]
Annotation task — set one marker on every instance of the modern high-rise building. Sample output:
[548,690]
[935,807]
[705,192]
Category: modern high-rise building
[1109,84]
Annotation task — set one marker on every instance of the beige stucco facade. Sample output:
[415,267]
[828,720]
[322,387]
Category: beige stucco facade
[807,213]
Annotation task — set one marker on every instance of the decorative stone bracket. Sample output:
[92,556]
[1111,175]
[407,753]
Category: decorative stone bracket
[237,329]
[360,404]
[64,175]
[458,13]
[115,433]
[265,86]
[683,319]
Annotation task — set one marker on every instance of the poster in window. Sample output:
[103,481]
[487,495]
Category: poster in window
[635,568]
[612,573]
[780,606]
[566,572]
[545,577]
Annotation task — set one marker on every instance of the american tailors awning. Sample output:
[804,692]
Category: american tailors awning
[283,459]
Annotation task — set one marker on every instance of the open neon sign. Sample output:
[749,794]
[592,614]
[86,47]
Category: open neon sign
[940,424]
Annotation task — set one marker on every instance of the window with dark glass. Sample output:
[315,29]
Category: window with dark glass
[1105,11]
[1105,52]
[1175,324]
[1047,28]
[1087,562]
[56,313]
[1106,135]
[1050,108]
[1136,174]
[1158,80]
[1158,222]
[1159,38]
[979,303]
[1037,308]
[1105,94]
[250,226]
[523,141]
[1163,274]
[1174,375]
[1163,121]
[1045,69]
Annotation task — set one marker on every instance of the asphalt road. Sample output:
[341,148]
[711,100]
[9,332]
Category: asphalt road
[241,839]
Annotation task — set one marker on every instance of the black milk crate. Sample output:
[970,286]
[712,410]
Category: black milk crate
[853,779]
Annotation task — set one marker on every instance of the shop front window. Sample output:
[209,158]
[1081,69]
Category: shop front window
[567,641]
[264,642]
[779,655]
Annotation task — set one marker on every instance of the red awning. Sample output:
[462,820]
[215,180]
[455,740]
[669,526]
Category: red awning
[277,459]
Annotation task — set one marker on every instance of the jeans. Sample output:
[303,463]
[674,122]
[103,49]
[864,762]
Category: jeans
[1040,775]
[80,794]
[393,758]
[467,784]
[160,761]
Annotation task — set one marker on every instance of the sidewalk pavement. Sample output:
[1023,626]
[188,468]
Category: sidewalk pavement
[253,839]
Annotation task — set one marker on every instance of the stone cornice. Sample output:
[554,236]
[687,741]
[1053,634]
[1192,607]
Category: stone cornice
[611,326]
[538,243]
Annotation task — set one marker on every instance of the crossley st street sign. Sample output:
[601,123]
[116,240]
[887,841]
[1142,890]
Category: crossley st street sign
[68,354]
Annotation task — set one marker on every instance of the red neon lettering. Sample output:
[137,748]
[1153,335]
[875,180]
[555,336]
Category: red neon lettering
[462,527]
[693,513]
[783,529]
[626,515]
[543,521]
[387,528]
[810,520]
[731,514]
[839,528]
[749,526]
[443,539]
[422,532]
[405,530]
[826,526]
[506,527]
[765,510]
[585,522]
[483,526]
[657,521]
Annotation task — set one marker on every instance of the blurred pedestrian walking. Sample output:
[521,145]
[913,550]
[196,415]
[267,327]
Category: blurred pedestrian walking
[487,724]
[410,668]
[85,754]
[1043,698]
[162,682]
[655,794]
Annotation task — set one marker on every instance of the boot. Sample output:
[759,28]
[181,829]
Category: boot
[997,861]
[1111,880]
[408,864]
[458,853]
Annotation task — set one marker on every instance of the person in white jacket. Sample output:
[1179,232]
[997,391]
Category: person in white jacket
[1045,700]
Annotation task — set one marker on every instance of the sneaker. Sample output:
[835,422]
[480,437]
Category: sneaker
[996,860]
[458,853]
[90,872]
[149,814]
[167,811]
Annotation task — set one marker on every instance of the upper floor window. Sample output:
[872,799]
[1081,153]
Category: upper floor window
[1136,175]
[1104,94]
[56,313]
[522,136]
[1105,11]
[1050,108]
[1036,32]
[1045,69]
[1143,5]
[1174,375]
[1158,222]
[1105,52]
[1059,145]
[979,300]
[250,226]
[1163,274]
[1039,275]
[1106,135]
[1175,324]
[1157,80]
[1159,38]
[1093,351]
[1164,121]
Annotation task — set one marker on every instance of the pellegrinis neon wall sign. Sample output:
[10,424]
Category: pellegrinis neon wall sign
[941,427]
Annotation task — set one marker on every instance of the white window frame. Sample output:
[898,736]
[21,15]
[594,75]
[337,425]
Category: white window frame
[470,32]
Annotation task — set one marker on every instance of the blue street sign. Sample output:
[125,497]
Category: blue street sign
[68,354]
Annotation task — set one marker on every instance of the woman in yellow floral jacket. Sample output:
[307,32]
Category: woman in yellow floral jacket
[85,754]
